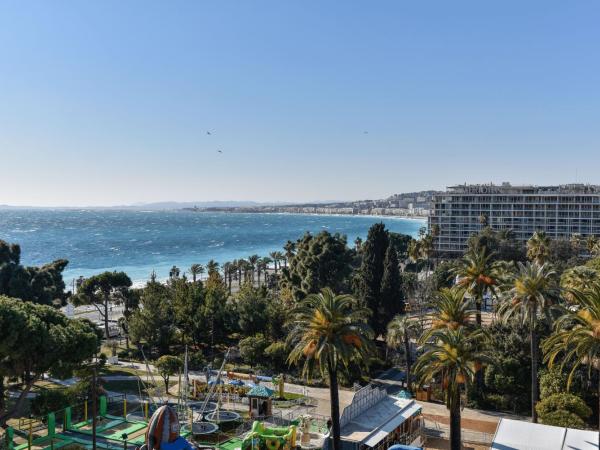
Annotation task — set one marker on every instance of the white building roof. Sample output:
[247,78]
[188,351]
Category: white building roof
[519,435]
[372,425]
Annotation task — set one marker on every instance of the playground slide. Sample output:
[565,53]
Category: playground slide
[275,438]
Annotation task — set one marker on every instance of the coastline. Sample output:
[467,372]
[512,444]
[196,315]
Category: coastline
[415,217]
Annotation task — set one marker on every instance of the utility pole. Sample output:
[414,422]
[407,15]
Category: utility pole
[94,406]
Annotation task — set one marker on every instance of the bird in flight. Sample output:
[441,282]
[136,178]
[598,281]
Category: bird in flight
[208,132]
[220,151]
[365,132]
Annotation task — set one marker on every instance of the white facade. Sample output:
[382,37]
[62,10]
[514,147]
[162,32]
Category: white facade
[559,211]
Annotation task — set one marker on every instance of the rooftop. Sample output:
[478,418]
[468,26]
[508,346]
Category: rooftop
[506,188]
[374,414]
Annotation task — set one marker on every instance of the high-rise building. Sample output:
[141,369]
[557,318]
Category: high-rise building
[559,211]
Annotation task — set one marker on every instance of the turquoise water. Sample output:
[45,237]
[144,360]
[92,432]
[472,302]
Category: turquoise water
[139,242]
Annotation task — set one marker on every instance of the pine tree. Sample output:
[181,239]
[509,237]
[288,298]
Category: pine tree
[392,298]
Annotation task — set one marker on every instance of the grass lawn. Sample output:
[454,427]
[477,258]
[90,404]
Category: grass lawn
[128,387]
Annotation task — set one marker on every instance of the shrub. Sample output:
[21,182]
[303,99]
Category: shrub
[563,418]
[557,409]
[552,381]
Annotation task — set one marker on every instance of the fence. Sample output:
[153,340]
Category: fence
[437,430]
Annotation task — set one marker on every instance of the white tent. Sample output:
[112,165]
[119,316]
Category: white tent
[581,440]
[519,435]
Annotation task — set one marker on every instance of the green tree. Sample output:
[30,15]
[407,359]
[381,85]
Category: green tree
[532,291]
[329,331]
[99,290]
[454,357]
[479,275]
[277,353]
[252,306]
[187,301]
[36,339]
[153,323]
[370,275]
[538,248]
[43,285]
[253,263]
[168,365]
[320,261]
[400,331]
[563,410]
[451,309]
[578,278]
[500,245]
[195,270]
[508,382]
[576,336]
[392,294]
[252,349]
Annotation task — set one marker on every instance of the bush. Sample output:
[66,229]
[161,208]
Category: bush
[552,381]
[560,408]
[563,418]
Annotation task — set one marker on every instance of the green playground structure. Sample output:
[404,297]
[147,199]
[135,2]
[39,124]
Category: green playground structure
[272,438]
[112,432]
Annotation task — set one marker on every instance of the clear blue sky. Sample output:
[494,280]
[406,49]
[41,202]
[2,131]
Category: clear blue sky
[108,102]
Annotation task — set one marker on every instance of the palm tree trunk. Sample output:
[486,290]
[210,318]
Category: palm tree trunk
[455,438]
[534,369]
[598,408]
[408,363]
[335,405]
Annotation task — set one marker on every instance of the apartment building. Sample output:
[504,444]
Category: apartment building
[560,211]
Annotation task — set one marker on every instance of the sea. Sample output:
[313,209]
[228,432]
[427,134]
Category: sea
[142,242]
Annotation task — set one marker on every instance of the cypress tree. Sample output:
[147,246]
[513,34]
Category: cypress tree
[392,297]
[371,272]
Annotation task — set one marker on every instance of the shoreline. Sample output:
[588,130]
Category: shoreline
[419,218]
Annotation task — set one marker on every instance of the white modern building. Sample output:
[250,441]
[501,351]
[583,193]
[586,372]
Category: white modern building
[559,211]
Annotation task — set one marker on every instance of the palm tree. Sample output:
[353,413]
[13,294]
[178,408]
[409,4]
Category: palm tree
[479,275]
[452,309]
[279,257]
[227,271]
[532,291]
[591,244]
[252,263]
[241,267]
[455,358]
[538,247]
[212,266]
[274,257]
[578,278]
[329,331]
[265,265]
[400,330]
[290,249]
[576,336]
[414,250]
[195,270]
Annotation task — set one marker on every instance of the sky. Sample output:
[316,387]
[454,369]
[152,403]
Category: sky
[109,102]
